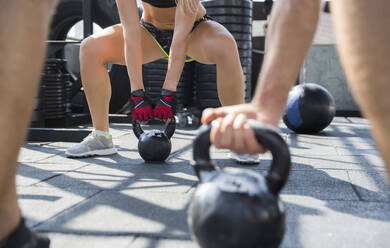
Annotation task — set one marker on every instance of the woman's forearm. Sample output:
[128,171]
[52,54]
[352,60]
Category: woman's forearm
[177,57]
[128,12]
[133,57]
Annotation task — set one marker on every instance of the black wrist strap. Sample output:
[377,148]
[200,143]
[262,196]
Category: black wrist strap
[138,93]
[165,92]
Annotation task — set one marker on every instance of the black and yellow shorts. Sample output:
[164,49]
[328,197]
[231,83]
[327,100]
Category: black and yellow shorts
[163,38]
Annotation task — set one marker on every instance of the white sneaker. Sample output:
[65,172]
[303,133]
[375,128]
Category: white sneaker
[93,145]
[245,158]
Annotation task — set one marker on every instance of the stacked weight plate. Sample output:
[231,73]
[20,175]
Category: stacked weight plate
[236,16]
[154,75]
[56,89]
[38,115]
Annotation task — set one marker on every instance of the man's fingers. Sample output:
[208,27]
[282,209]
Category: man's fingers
[215,133]
[227,131]
[252,146]
[211,114]
[238,134]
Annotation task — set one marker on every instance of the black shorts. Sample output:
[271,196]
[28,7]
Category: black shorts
[163,38]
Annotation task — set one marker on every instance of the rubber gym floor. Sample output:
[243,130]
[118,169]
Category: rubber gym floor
[337,194]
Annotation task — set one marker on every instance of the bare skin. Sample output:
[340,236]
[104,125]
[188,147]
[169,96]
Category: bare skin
[20,40]
[283,57]
[130,44]
[364,49]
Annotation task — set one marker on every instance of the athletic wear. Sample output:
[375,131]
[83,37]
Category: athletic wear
[245,158]
[23,237]
[93,145]
[166,106]
[163,38]
[141,107]
[161,3]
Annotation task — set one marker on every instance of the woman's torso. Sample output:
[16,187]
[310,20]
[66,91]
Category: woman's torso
[164,18]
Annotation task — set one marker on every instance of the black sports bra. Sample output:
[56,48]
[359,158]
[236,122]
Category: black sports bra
[161,3]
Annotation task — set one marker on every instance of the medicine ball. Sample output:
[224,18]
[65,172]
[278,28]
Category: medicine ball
[310,108]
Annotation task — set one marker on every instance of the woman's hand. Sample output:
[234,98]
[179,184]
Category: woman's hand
[166,106]
[230,130]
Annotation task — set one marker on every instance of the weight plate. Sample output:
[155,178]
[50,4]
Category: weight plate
[208,103]
[206,85]
[224,3]
[242,28]
[154,77]
[207,94]
[245,53]
[246,61]
[244,44]
[55,96]
[233,19]
[229,11]
[207,77]
[242,36]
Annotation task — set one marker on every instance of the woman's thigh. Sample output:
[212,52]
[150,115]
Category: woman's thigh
[108,45]
[211,41]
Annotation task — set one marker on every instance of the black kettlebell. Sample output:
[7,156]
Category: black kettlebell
[233,207]
[155,145]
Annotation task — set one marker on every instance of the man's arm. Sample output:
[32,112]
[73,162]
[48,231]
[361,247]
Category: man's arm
[291,31]
[128,12]
[184,21]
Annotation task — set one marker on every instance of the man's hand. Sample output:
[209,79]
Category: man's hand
[230,130]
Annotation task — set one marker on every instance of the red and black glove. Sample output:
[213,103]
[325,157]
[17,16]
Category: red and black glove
[141,108]
[166,106]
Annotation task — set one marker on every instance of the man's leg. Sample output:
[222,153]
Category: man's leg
[23,28]
[363,37]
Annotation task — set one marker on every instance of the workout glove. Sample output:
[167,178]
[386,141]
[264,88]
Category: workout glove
[141,109]
[166,106]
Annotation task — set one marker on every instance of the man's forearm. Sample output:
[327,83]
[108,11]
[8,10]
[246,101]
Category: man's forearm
[291,31]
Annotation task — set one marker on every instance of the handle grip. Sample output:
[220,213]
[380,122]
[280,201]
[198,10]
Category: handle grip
[267,136]
[169,128]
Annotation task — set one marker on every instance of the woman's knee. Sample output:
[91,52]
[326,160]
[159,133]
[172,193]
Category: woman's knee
[89,50]
[224,46]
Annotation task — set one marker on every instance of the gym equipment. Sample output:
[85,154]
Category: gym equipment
[155,145]
[153,75]
[224,3]
[310,108]
[55,90]
[236,16]
[239,207]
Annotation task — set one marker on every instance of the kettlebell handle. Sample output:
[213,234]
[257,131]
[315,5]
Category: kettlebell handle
[267,136]
[169,129]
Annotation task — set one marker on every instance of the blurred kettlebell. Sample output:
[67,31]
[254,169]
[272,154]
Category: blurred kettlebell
[238,207]
[155,145]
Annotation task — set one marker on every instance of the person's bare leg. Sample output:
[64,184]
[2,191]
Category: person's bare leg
[107,47]
[211,43]
[363,37]
[24,25]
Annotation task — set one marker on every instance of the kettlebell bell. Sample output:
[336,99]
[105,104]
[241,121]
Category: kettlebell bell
[155,145]
[238,207]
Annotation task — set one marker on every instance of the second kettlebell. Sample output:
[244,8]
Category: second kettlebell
[239,207]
